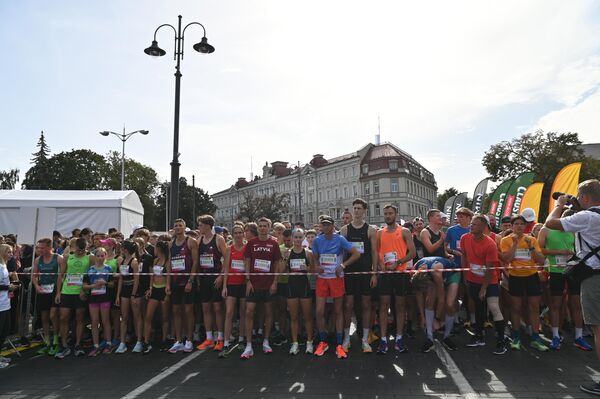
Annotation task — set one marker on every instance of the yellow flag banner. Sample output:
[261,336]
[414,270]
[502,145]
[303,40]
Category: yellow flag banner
[532,198]
[566,181]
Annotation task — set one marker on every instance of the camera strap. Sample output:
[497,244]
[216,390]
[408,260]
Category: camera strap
[593,251]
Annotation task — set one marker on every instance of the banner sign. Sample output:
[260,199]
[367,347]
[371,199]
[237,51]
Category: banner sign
[498,197]
[532,198]
[566,181]
[479,195]
[514,195]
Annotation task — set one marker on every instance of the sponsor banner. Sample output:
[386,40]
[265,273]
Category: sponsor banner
[479,195]
[448,206]
[532,198]
[459,202]
[566,181]
[497,200]
[514,195]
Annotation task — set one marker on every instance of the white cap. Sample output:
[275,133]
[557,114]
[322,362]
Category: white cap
[444,216]
[137,226]
[528,214]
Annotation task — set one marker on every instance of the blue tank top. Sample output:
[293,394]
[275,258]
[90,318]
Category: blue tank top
[51,267]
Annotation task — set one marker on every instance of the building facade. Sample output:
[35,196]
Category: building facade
[380,174]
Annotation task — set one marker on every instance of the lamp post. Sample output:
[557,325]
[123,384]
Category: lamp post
[123,137]
[155,51]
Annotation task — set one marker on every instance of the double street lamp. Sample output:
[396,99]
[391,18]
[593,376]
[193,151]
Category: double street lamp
[155,51]
[123,137]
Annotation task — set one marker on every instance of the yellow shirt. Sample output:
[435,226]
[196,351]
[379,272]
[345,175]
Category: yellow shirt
[522,255]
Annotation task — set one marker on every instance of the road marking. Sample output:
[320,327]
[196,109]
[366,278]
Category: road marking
[465,389]
[158,378]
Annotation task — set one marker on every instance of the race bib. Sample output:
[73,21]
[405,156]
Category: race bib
[238,265]
[477,270]
[124,270]
[74,279]
[157,270]
[522,253]
[178,264]
[561,260]
[262,265]
[47,288]
[297,265]
[457,244]
[329,263]
[359,245]
[207,261]
[99,291]
[390,258]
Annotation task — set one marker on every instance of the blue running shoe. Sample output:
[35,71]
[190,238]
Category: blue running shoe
[582,344]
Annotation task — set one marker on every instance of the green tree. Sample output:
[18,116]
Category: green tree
[272,206]
[441,198]
[37,176]
[249,207]
[9,179]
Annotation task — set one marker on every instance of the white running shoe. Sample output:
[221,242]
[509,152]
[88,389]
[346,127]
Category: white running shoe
[346,345]
[294,349]
[177,347]
[267,347]
[309,347]
[248,353]
[188,347]
[138,347]
[122,348]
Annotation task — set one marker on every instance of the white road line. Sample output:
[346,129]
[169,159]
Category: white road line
[465,389]
[158,378]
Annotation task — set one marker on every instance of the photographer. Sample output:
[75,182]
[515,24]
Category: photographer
[586,224]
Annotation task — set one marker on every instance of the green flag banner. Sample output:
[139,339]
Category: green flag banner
[498,196]
[515,193]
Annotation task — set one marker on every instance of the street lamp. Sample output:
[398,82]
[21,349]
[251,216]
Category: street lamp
[123,137]
[301,216]
[155,51]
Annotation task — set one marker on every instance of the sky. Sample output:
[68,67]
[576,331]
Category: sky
[291,79]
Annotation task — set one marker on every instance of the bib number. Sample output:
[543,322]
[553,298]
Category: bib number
[477,270]
[329,263]
[390,258]
[157,270]
[561,260]
[207,261]
[47,288]
[178,264]
[238,265]
[74,280]
[522,253]
[359,245]
[297,265]
[99,291]
[124,270]
[262,265]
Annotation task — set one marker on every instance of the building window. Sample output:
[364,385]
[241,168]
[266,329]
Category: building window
[328,194]
[376,187]
[365,169]
[354,171]
[355,190]
[344,172]
[345,192]
[393,164]
[366,189]
[336,194]
[377,210]
[320,196]
[394,184]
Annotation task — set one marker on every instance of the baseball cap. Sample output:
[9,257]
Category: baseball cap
[109,242]
[528,214]
[326,219]
[444,216]
[218,230]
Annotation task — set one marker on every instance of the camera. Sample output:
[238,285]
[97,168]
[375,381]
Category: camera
[571,200]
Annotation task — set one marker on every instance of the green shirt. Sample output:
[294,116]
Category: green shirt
[556,239]
[76,268]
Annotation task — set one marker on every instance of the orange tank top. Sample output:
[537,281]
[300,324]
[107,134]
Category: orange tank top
[392,247]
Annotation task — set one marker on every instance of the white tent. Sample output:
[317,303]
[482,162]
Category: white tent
[98,210]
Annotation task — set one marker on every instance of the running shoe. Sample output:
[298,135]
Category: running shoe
[107,349]
[582,344]
[372,337]
[592,389]
[146,349]
[476,341]
[53,350]
[196,336]
[516,344]
[43,350]
[177,347]
[294,349]
[399,345]
[4,365]
[555,344]
[225,350]
[94,352]
[537,344]
[383,347]
[340,352]
[366,348]
[219,345]
[138,348]
[322,348]
[188,347]
[115,342]
[451,346]
[279,340]
[487,324]
[346,345]
[79,351]
[122,348]
[207,344]
[4,359]
[500,348]
[267,348]
[63,353]
[309,347]
[427,346]
[248,353]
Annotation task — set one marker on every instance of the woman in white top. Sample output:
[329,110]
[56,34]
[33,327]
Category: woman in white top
[5,286]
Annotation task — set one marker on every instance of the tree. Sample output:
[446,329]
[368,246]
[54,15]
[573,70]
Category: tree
[272,206]
[37,176]
[9,179]
[249,207]
[441,198]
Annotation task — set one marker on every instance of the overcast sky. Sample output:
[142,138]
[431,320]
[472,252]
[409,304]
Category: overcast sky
[291,79]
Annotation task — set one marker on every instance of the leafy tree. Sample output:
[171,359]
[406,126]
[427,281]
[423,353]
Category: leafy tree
[9,179]
[441,198]
[249,207]
[37,176]
[272,206]
[75,170]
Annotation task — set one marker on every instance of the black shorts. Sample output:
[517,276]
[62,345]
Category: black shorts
[298,287]
[557,283]
[207,291]
[127,291]
[71,301]
[474,288]
[46,301]
[180,297]
[521,286]
[236,290]
[259,296]
[158,294]
[393,284]
[282,290]
[357,284]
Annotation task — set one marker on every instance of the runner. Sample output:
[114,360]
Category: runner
[70,297]
[157,295]
[280,307]
[184,260]
[364,238]
[96,281]
[480,256]
[210,249]
[433,239]
[112,247]
[523,252]
[45,288]
[261,255]
[128,295]
[347,217]
[299,260]
[234,288]
[6,286]
[328,249]
[559,247]
[395,248]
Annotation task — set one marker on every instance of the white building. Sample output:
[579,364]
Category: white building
[380,174]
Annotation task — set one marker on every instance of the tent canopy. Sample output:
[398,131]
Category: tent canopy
[98,210]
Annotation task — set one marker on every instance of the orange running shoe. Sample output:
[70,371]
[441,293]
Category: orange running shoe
[340,352]
[207,344]
[322,348]
[219,345]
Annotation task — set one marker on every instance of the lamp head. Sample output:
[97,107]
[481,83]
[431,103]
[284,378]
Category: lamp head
[154,50]
[144,132]
[104,133]
[203,47]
